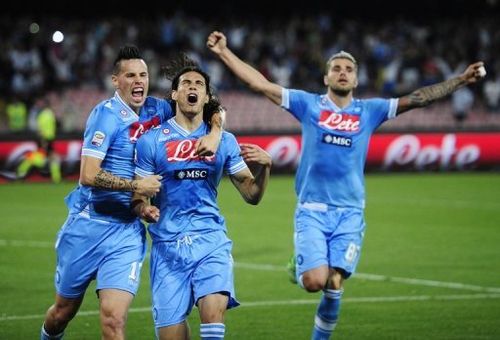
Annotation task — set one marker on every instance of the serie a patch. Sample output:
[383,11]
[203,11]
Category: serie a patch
[98,138]
[329,138]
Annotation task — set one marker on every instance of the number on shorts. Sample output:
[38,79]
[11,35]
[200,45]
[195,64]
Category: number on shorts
[352,252]
[136,266]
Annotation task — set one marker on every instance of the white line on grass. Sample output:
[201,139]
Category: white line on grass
[376,277]
[368,299]
[270,267]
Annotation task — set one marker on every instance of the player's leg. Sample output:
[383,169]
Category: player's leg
[212,308]
[328,309]
[58,316]
[344,246]
[73,274]
[113,307]
[311,252]
[118,276]
[213,282]
[171,270]
[179,331]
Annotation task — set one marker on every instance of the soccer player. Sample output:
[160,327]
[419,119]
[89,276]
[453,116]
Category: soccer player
[102,238]
[336,128]
[191,262]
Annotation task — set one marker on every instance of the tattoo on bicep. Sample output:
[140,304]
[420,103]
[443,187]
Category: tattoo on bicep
[429,94]
[106,180]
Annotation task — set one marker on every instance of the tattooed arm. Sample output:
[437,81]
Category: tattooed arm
[429,94]
[93,175]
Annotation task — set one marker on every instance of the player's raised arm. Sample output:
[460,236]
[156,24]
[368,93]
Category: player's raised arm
[252,181]
[429,94]
[217,43]
[93,175]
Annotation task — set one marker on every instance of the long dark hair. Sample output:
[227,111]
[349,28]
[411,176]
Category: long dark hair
[181,65]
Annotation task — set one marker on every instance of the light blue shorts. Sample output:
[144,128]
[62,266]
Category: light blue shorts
[110,253]
[186,270]
[328,236]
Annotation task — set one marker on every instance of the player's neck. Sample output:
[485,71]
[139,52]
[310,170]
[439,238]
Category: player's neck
[188,122]
[340,100]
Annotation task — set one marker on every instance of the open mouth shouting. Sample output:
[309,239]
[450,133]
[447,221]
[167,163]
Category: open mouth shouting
[138,93]
[192,98]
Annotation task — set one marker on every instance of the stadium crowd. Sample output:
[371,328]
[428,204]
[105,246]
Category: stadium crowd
[395,56]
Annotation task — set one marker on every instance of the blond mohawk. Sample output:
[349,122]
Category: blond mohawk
[342,55]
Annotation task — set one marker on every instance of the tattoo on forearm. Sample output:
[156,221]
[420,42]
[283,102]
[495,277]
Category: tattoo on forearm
[106,180]
[429,94]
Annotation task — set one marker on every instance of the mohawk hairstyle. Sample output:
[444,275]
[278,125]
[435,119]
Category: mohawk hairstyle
[126,52]
[341,55]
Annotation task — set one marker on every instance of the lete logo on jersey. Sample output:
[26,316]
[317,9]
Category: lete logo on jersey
[339,121]
[184,150]
[137,129]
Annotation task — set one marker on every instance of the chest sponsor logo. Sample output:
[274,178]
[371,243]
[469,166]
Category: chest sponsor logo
[184,151]
[339,121]
[98,138]
[137,129]
[329,138]
[195,174]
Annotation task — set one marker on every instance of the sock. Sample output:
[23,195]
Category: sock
[45,336]
[212,331]
[300,282]
[327,314]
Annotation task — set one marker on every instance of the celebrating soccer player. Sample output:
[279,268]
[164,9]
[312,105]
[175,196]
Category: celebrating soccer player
[191,260]
[336,128]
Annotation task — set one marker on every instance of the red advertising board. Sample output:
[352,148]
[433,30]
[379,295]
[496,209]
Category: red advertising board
[387,152]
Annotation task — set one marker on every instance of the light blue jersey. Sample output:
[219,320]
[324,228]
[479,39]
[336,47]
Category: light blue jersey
[334,145]
[111,133]
[188,196]
[191,253]
[101,239]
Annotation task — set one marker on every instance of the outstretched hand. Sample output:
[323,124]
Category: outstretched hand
[471,74]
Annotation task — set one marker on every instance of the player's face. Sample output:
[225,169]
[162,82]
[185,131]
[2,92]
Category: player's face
[191,94]
[132,83]
[342,76]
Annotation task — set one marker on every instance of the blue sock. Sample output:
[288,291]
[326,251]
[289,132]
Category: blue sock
[46,336]
[212,331]
[327,314]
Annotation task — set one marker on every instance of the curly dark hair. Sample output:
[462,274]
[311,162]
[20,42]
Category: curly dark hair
[181,65]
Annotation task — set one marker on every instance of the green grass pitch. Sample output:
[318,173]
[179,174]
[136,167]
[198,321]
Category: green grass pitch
[429,268]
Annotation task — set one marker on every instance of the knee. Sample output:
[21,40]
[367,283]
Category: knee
[313,283]
[62,313]
[113,321]
[214,317]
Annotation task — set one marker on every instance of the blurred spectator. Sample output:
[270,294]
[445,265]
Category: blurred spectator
[44,157]
[462,101]
[394,55]
[17,114]
[491,92]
